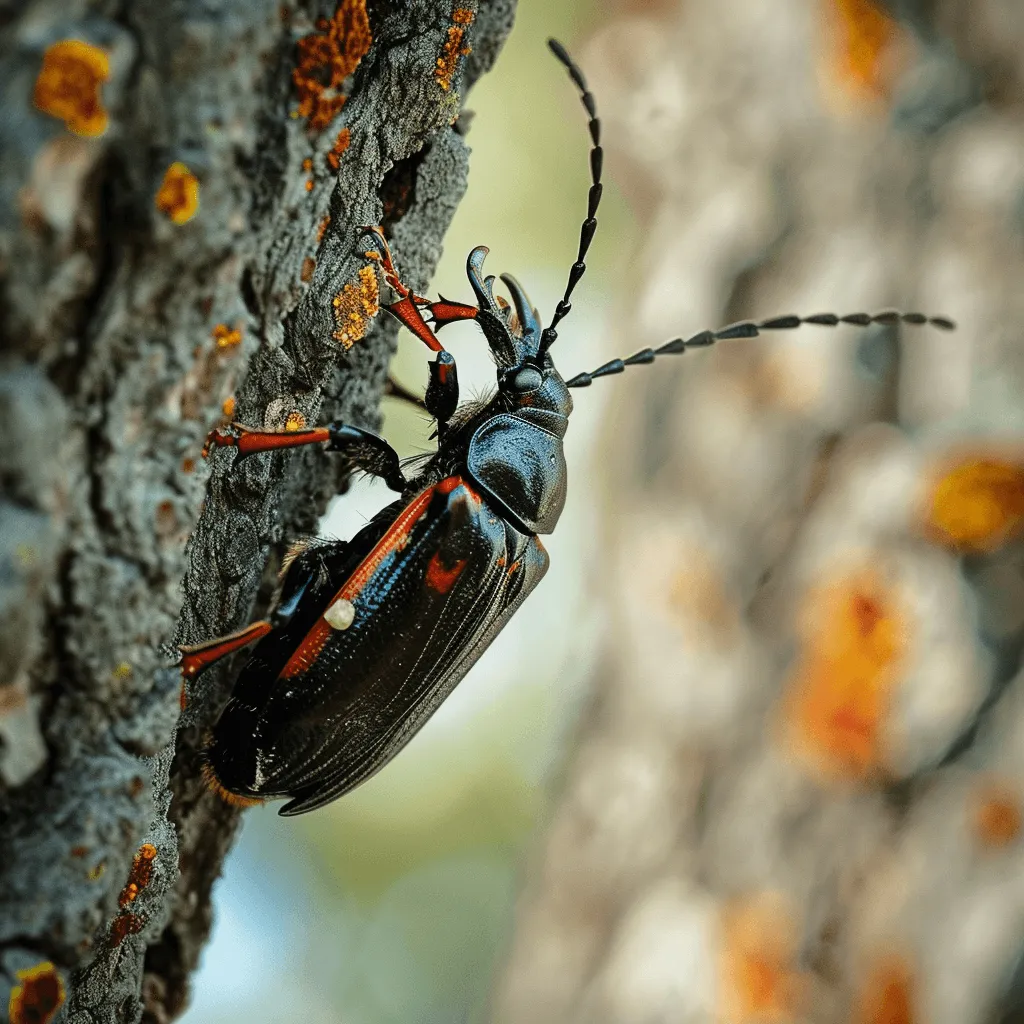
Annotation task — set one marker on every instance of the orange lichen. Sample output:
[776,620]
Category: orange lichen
[326,58]
[228,406]
[759,979]
[354,306]
[887,994]
[178,195]
[140,875]
[216,786]
[322,228]
[976,503]
[226,337]
[855,636]
[124,925]
[68,86]
[341,143]
[307,164]
[309,184]
[997,815]
[306,273]
[447,62]
[295,421]
[862,42]
[37,996]
[188,465]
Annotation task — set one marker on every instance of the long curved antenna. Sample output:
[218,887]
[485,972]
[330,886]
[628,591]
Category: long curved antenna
[593,200]
[750,329]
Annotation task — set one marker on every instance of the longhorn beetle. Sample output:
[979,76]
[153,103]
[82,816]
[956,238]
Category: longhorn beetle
[369,636]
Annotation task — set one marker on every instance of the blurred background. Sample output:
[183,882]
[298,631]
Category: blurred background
[754,751]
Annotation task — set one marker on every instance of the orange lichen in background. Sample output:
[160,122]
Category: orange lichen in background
[37,996]
[322,228]
[308,268]
[228,406]
[226,337]
[887,994]
[326,58]
[355,306]
[759,980]
[975,503]
[996,817]
[140,875]
[862,47]
[341,143]
[462,17]
[68,86]
[178,195]
[855,635]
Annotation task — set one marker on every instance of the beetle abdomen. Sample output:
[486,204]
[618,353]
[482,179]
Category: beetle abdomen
[410,620]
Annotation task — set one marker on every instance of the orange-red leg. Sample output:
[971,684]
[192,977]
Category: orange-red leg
[407,307]
[197,658]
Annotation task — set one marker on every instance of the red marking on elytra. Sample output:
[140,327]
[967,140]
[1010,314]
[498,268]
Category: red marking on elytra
[441,579]
[394,540]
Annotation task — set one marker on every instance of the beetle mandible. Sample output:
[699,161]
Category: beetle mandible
[369,636]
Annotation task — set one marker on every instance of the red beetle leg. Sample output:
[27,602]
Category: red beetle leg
[249,441]
[200,657]
[444,312]
[408,312]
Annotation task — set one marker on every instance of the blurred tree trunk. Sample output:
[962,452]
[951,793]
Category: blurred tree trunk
[797,795]
[126,336]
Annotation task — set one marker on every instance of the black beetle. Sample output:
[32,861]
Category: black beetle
[369,636]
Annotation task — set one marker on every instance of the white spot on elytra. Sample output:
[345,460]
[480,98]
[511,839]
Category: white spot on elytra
[341,614]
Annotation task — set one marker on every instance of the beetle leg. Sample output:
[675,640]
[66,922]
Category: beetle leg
[393,389]
[407,308]
[197,658]
[442,395]
[365,451]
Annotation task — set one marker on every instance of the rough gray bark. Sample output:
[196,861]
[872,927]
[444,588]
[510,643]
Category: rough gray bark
[109,381]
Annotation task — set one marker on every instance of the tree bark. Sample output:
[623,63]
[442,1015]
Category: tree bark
[111,376]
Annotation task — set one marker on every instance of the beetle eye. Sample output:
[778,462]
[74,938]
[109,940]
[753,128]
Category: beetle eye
[527,379]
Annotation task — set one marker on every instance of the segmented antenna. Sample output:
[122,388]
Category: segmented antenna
[593,200]
[750,329]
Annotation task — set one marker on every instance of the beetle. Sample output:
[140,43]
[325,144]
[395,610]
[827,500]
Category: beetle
[369,636]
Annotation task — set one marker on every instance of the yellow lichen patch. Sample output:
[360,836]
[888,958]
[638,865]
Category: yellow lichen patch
[975,503]
[216,786]
[887,994]
[37,996]
[68,86]
[854,640]
[341,143]
[448,61]
[226,337]
[178,195]
[122,671]
[862,42]
[355,306]
[996,814]
[759,981]
[295,421]
[326,58]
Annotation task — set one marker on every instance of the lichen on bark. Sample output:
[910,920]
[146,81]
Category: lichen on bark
[115,537]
